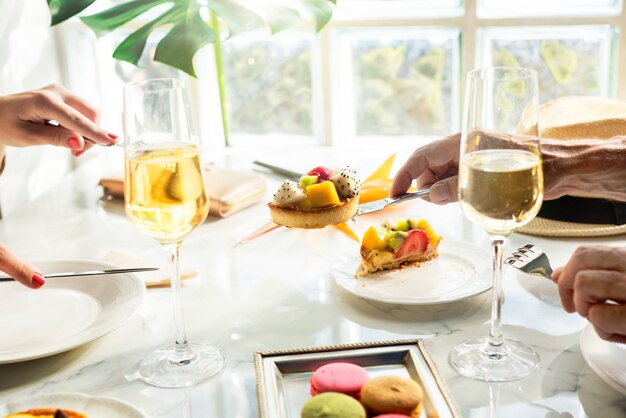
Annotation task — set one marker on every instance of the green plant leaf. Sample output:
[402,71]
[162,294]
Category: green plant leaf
[132,47]
[322,11]
[110,19]
[187,31]
[61,10]
[281,18]
[240,19]
[179,46]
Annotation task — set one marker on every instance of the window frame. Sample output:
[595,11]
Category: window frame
[324,104]
[469,24]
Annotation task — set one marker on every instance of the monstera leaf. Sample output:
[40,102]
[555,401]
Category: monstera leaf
[186,25]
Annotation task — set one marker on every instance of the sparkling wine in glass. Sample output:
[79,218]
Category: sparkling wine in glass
[165,199]
[500,189]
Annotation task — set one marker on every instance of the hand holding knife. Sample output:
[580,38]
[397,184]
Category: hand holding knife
[88,273]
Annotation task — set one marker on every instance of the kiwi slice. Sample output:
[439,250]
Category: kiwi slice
[394,240]
[403,225]
[306,181]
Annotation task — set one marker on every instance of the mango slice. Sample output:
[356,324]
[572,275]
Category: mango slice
[372,241]
[323,194]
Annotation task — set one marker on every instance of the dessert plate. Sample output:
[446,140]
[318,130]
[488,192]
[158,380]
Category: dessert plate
[93,407]
[66,312]
[606,358]
[461,270]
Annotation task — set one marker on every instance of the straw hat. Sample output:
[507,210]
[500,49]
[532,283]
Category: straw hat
[578,118]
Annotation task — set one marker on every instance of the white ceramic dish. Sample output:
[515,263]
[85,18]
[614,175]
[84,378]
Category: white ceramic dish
[461,270]
[66,312]
[606,358]
[93,407]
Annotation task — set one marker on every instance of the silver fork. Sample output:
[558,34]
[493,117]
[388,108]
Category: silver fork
[532,260]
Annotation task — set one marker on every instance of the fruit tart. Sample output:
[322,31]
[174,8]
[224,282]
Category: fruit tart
[47,413]
[393,246]
[322,197]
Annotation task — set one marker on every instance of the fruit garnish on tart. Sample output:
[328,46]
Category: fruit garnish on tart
[395,245]
[47,413]
[322,197]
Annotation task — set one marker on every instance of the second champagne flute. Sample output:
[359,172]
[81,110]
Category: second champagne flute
[165,199]
[500,189]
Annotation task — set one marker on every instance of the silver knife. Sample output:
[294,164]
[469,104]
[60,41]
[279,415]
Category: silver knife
[88,273]
[381,204]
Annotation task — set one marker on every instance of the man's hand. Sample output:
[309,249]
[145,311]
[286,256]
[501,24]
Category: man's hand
[435,164]
[593,283]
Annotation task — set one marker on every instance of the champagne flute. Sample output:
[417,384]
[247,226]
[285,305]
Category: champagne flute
[500,189]
[165,199]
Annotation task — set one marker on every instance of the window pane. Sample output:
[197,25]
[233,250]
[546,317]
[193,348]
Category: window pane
[544,8]
[571,60]
[269,84]
[377,9]
[399,81]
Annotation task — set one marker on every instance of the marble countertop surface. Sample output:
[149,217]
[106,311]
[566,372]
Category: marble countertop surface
[276,292]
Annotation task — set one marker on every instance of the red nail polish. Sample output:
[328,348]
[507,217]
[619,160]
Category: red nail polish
[73,142]
[38,280]
[112,136]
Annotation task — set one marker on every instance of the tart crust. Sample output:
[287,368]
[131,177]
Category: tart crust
[296,217]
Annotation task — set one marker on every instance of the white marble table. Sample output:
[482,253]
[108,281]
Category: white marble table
[275,292]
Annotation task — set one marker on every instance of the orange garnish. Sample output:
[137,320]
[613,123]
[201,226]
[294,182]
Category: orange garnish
[374,190]
[270,226]
[382,172]
[343,227]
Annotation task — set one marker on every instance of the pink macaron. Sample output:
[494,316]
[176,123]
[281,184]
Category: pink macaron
[344,378]
[392,416]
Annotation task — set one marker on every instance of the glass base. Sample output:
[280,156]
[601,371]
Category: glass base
[477,359]
[166,368]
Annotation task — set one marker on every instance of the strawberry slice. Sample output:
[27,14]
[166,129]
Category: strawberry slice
[322,173]
[415,243]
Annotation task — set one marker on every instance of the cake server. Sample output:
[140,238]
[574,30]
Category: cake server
[292,175]
[88,273]
[381,204]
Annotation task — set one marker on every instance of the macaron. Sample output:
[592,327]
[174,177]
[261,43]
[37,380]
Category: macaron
[392,416]
[333,405]
[392,395]
[343,378]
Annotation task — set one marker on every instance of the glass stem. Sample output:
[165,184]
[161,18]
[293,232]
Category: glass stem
[182,354]
[497,248]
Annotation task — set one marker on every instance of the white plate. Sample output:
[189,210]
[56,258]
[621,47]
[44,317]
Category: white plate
[66,312]
[93,407]
[461,270]
[606,358]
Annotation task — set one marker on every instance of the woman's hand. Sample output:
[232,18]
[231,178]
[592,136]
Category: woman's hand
[25,120]
[591,278]
[19,270]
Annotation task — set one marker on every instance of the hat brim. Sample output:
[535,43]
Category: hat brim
[550,228]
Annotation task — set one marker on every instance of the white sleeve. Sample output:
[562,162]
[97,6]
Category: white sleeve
[27,46]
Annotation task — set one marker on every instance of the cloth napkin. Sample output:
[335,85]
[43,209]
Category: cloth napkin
[228,190]
[159,278]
